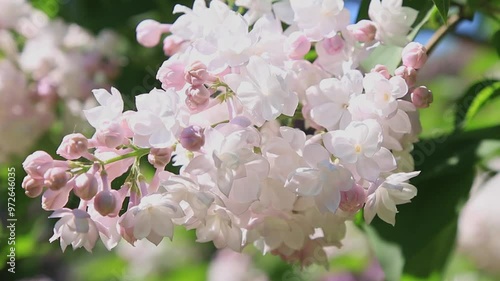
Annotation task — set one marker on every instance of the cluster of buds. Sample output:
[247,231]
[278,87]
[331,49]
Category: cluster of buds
[243,177]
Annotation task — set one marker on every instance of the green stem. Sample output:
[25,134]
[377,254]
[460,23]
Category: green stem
[137,153]
[442,31]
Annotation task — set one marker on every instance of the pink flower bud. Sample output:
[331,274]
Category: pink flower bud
[382,69]
[421,97]
[148,32]
[73,146]
[105,203]
[333,45]
[32,187]
[414,55]
[86,186]
[352,200]
[159,157]
[197,97]
[363,31]
[171,75]
[197,74]
[409,74]
[37,164]
[192,138]
[172,44]
[56,178]
[297,45]
[110,134]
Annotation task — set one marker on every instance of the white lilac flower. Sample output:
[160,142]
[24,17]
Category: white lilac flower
[152,218]
[393,21]
[155,124]
[394,190]
[76,228]
[263,91]
[359,146]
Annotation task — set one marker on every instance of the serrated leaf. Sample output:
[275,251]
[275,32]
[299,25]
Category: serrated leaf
[474,98]
[443,6]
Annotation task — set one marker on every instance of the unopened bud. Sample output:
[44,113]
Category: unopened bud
[159,157]
[111,135]
[197,97]
[197,74]
[192,138]
[172,44]
[382,69]
[148,32]
[297,45]
[352,200]
[56,178]
[414,55]
[171,75]
[363,31]
[37,164]
[409,74]
[333,45]
[86,186]
[32,187]
[73,146]
[421,97]
[105,203]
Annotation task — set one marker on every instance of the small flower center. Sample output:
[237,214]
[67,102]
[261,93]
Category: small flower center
[357,148]
[387,96]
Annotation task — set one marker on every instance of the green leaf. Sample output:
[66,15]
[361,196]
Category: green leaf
[443,6]
[389,255]
[474,99]
[425,228]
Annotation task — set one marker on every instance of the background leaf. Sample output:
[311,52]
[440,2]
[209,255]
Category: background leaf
[473,99]
[443,6]
[425,229]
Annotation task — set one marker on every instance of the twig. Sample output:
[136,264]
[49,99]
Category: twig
[442,31]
